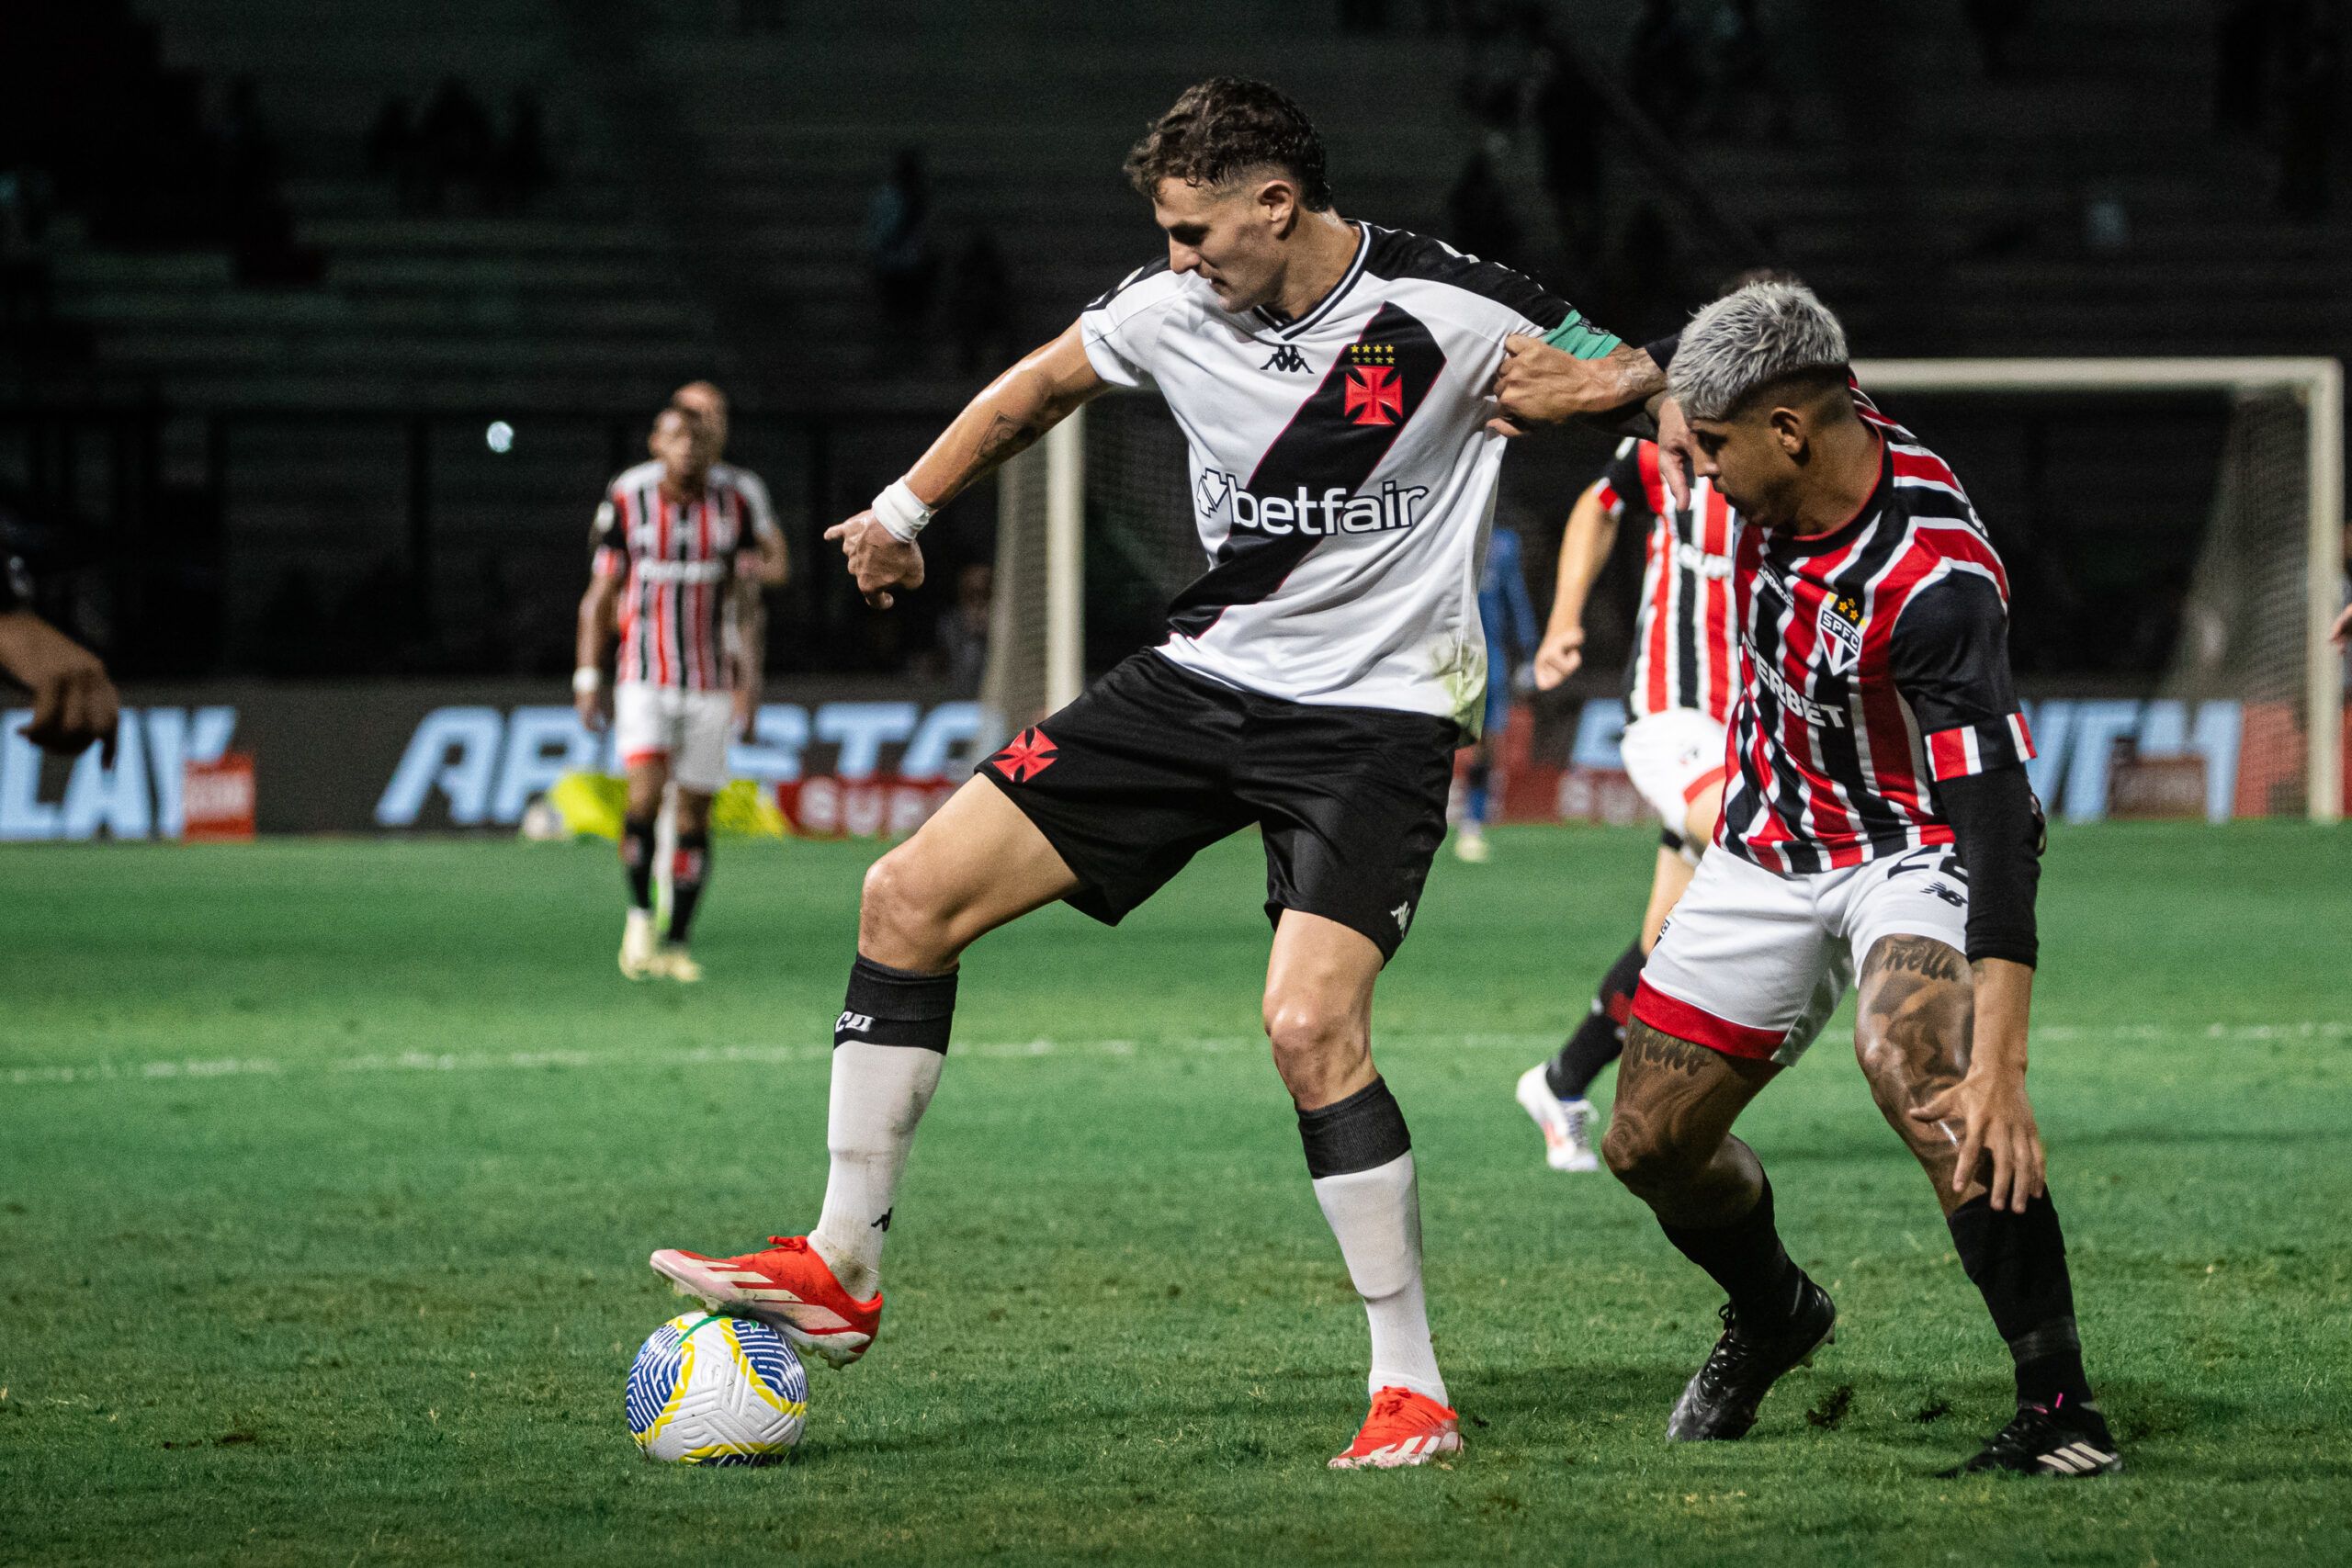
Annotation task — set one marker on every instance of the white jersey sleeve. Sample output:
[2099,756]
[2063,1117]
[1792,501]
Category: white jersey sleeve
[1122,330]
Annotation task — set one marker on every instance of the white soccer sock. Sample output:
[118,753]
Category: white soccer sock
[878,1095]
[1376,1215]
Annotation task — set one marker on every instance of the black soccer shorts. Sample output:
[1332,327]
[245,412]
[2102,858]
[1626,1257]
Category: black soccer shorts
[1154,764]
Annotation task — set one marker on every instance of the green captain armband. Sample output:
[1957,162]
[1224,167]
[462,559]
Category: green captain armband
[1581,339]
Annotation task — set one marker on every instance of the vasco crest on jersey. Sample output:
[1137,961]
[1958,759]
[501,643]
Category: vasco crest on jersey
[1375,395]
[1840,622]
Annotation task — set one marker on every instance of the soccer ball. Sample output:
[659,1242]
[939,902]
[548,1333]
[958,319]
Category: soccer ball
[711,1390]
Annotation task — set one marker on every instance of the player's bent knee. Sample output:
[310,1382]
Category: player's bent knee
[897,923]
[1645,1157]
[1313,1040]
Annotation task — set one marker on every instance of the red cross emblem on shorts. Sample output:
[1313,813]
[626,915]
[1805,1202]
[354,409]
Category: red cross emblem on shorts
[1374,395]
[1030,754]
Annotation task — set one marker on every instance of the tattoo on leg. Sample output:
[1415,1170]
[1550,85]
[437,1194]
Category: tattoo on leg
[1646,1044]
[1912,1039]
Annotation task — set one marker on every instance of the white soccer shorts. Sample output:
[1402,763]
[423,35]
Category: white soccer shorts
[688,728]
[1671,757]
[1752,963]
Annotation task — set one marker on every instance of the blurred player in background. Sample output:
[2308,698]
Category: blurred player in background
[1878,818]
[1333,379]
[74,702]
[1679,678]
[1509,617]
[682,545]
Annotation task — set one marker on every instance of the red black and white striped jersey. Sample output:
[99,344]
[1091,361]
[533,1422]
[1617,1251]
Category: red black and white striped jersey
[1686,643]
[1876,666]
[677,560]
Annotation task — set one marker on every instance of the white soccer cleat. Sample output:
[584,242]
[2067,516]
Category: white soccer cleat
[1566,1124]
[640,952]
[1470,845]
[672,962]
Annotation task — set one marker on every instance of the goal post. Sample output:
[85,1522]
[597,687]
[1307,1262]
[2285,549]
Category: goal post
[2316,385]
[1115,472]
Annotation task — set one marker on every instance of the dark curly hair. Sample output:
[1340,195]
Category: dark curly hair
[1223,128]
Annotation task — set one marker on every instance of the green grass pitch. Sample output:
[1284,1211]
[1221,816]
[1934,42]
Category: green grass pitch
[328,1171]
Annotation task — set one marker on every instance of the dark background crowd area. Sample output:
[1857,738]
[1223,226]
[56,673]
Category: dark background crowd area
[268,272]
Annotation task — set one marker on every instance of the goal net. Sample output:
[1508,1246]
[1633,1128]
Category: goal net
[2173,530]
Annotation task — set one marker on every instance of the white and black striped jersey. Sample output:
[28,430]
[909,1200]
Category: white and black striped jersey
[676,559]
[1685,642]
[1877,666]
[1342,480]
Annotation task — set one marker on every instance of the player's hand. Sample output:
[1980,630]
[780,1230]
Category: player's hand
[2341,634]
[1996,1125]
[878,558]
[747,711]
[1675,446]
[74,702]
[1560,656]
[1542,385]
[590,706]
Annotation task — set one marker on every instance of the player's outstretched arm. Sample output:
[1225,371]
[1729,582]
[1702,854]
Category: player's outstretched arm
[1007,418]
[1584,550]
[1542,385]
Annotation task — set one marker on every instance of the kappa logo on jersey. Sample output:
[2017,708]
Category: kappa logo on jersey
[1030,754]
[1374,395]
[1840,622]
[1286,360]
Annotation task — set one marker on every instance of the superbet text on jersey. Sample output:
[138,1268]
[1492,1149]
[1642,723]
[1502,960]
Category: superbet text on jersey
[1341,476]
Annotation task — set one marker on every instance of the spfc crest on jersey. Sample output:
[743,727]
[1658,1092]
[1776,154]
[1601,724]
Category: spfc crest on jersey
[1840,622]
[1374,395]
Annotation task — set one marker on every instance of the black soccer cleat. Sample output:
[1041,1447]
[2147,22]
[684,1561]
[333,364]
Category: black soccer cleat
[1719,1403]
[2049,1440]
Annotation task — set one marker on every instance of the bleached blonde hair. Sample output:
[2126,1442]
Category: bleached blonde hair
[1750,339]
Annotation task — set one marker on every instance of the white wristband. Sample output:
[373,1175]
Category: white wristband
[585,680]
[899,510]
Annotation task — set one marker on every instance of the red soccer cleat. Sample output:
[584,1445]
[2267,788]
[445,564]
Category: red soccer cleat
[1404,1428]
[788,1288]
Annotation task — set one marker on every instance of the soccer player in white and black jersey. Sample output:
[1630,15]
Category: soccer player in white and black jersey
[1876,814]
[1332,379]
[682,547]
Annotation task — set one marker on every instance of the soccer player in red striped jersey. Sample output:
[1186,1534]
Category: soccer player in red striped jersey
[1876,815]
[682,545]
[1680,676]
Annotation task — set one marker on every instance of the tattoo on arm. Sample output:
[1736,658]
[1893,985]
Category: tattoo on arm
[1005,438]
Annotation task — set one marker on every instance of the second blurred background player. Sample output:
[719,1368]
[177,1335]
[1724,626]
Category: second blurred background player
[1679,685]
[1509,617]
[683,544]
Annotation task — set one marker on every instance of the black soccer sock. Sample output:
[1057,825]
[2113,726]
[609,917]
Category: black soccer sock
[895,1007]
[636,858]
[1744,1258]
[1366,1130]
[1601,1038]
[689,869]
[2019,1261]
